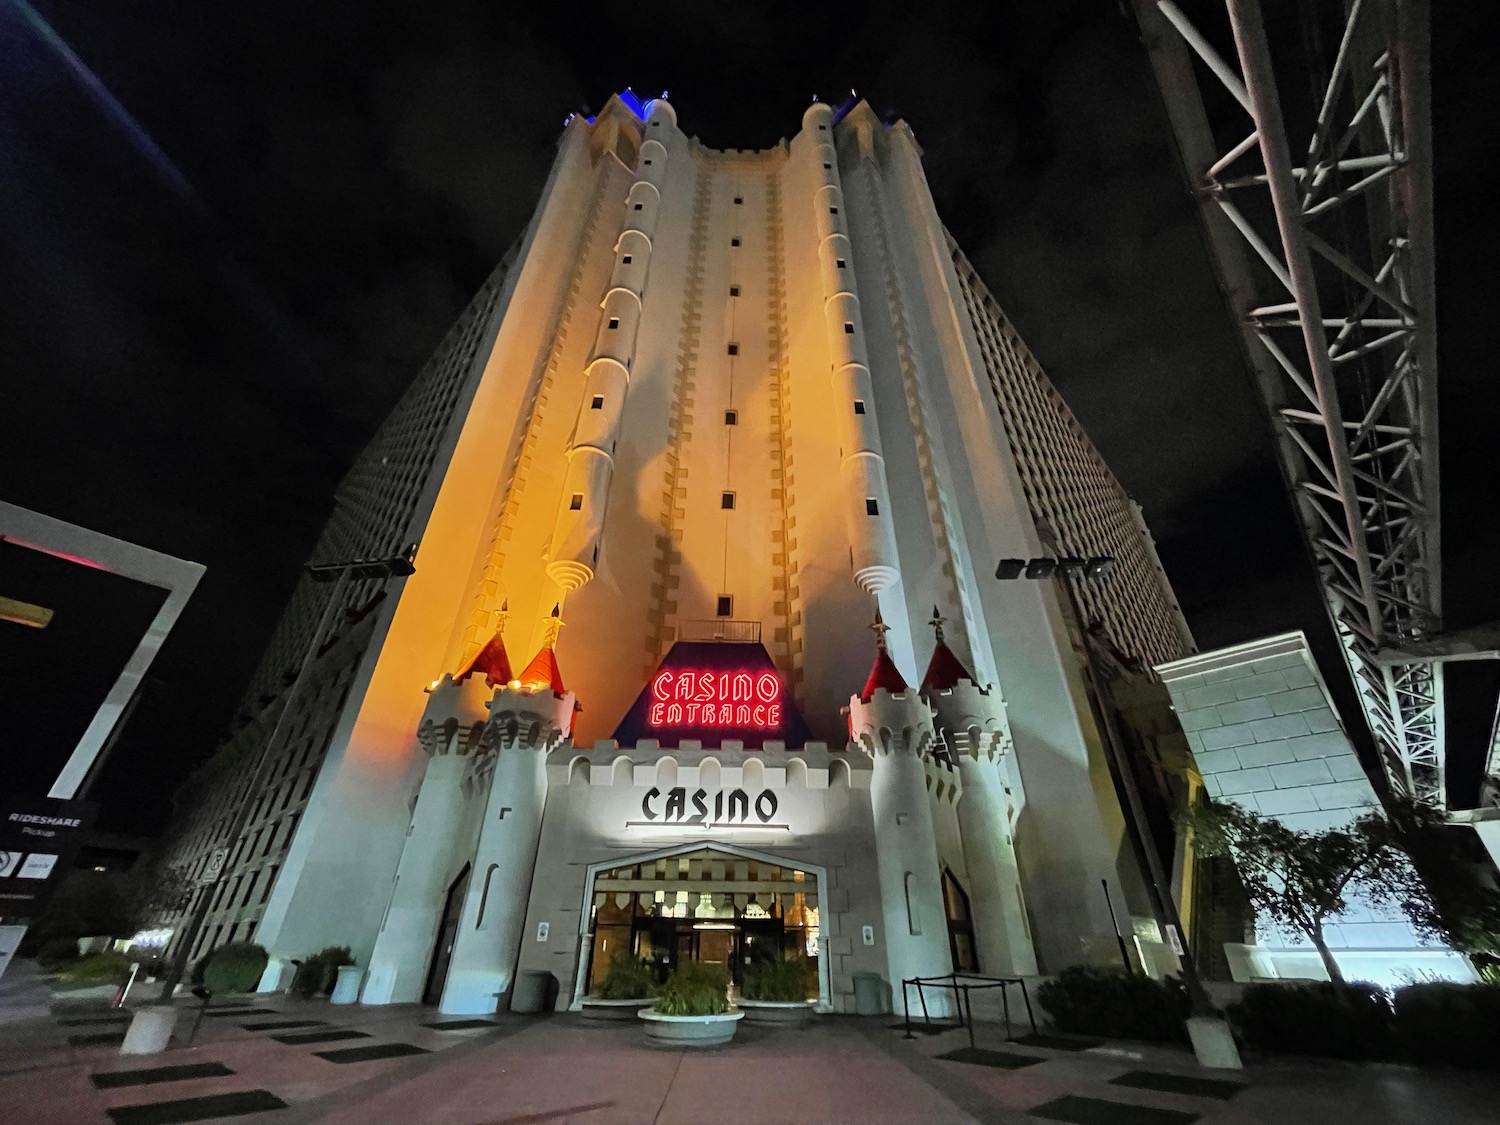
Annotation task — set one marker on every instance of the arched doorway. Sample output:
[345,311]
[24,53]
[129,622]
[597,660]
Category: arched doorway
[960,925]
[714,903]
[442,951]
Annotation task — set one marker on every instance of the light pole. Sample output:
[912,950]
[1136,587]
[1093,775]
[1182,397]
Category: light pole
[1213,1042]
[339,574]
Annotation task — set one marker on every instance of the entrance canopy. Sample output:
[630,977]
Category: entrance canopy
[715,692]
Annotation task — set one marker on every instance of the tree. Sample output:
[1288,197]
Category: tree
[1303,881]
[1461,906]
[106,903]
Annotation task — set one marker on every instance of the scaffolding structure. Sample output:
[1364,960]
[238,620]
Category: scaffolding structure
[1324,247]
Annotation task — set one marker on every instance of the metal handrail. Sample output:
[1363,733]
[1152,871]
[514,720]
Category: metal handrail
[962,984]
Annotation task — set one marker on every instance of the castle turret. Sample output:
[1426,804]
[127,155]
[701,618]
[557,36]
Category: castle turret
[893,726]
[971,724]
[452,727]
[528,717]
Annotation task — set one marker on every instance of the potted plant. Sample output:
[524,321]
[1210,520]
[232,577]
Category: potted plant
[624,991]
[692,1009]
[775,992]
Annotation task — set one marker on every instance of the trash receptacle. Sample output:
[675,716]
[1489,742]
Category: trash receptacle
[533,991]
[871,995]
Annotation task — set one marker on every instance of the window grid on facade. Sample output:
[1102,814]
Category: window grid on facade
[1067,484]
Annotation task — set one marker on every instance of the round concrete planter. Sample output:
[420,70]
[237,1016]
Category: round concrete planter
[596,1010]
[691,1031]
[346,985]
[778,1013]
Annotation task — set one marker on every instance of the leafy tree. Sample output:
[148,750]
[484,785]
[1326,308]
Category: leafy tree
[1303,881]
[112,903]
[1461,906]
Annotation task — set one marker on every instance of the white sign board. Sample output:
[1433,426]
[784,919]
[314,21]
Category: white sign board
[214,867]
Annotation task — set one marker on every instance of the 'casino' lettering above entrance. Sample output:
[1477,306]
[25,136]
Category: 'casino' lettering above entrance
[731,809]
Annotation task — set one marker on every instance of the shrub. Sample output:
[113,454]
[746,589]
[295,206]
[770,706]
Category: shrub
[626,978]
[695,989]
[1091,1001]
[1309,1019]
[1449,1023]
[55,953]
[98,968]
[236,967]
[318,972]
[782,980]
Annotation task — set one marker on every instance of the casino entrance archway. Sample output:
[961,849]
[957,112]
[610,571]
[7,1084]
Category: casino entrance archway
[715,903]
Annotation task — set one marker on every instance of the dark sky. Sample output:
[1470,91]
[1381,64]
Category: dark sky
[201,324]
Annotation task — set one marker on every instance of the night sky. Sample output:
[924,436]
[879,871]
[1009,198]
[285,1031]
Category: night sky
[202,322]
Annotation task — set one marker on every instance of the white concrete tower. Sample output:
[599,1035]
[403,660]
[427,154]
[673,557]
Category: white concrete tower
[893,726]
[971,722]
[453,727]
[867,502]
[529,717]
[576,536]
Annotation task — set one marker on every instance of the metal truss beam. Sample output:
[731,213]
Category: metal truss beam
[1325,253]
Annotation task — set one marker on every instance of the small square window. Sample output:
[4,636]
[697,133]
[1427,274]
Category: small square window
[727,501]
[625,260]
[648,160]
[823,128]
[734,242]
[739,199]
[576,504]
[725,607]
[731,417]
[640,206]
[656,124]
[734,290]
[872,506]
[598,403]
[734,349]
[827,167]
[848,328]
[833,210]
[840,263]
[614,322]
[859,406]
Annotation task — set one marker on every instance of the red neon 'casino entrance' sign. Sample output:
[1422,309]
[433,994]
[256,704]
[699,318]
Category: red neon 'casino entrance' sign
[715,699]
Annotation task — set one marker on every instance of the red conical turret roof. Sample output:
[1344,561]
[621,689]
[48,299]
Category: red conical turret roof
[884,675]
[492,662]
[944,669]
[543,670]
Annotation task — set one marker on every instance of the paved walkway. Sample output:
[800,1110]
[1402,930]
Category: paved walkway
[282,1061]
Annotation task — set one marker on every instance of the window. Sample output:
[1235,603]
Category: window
[872,506]
[625,260]
[848,328]
[731,417]
[598,403]
[739,199]
[822,128]
[833,210]
[827,167]
[734,349]
[576,504]
[648,160]
[859,406]
[726,501]
[640,206]
[734,290]
[734,242]
[614,322]
[265,891]
[840,263]
[913,911]
[725,607]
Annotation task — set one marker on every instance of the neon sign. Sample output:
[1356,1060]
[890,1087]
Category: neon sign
[715,699]
[728,809]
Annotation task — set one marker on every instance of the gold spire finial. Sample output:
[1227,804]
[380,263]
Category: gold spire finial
[937,624]
[554,625]
[502,615]
[880,629]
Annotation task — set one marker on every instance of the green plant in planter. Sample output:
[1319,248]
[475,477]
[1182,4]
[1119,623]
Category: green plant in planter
[626,979]
[782,981]
[319,971]
[236,967]
[695,989]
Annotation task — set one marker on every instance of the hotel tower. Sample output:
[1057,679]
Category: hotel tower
[704,656]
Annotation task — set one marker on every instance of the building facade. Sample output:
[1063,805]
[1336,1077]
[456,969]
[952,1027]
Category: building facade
[717,414]
[1266,736]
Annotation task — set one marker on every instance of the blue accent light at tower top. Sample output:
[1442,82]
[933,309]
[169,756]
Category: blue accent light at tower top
[632,103]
